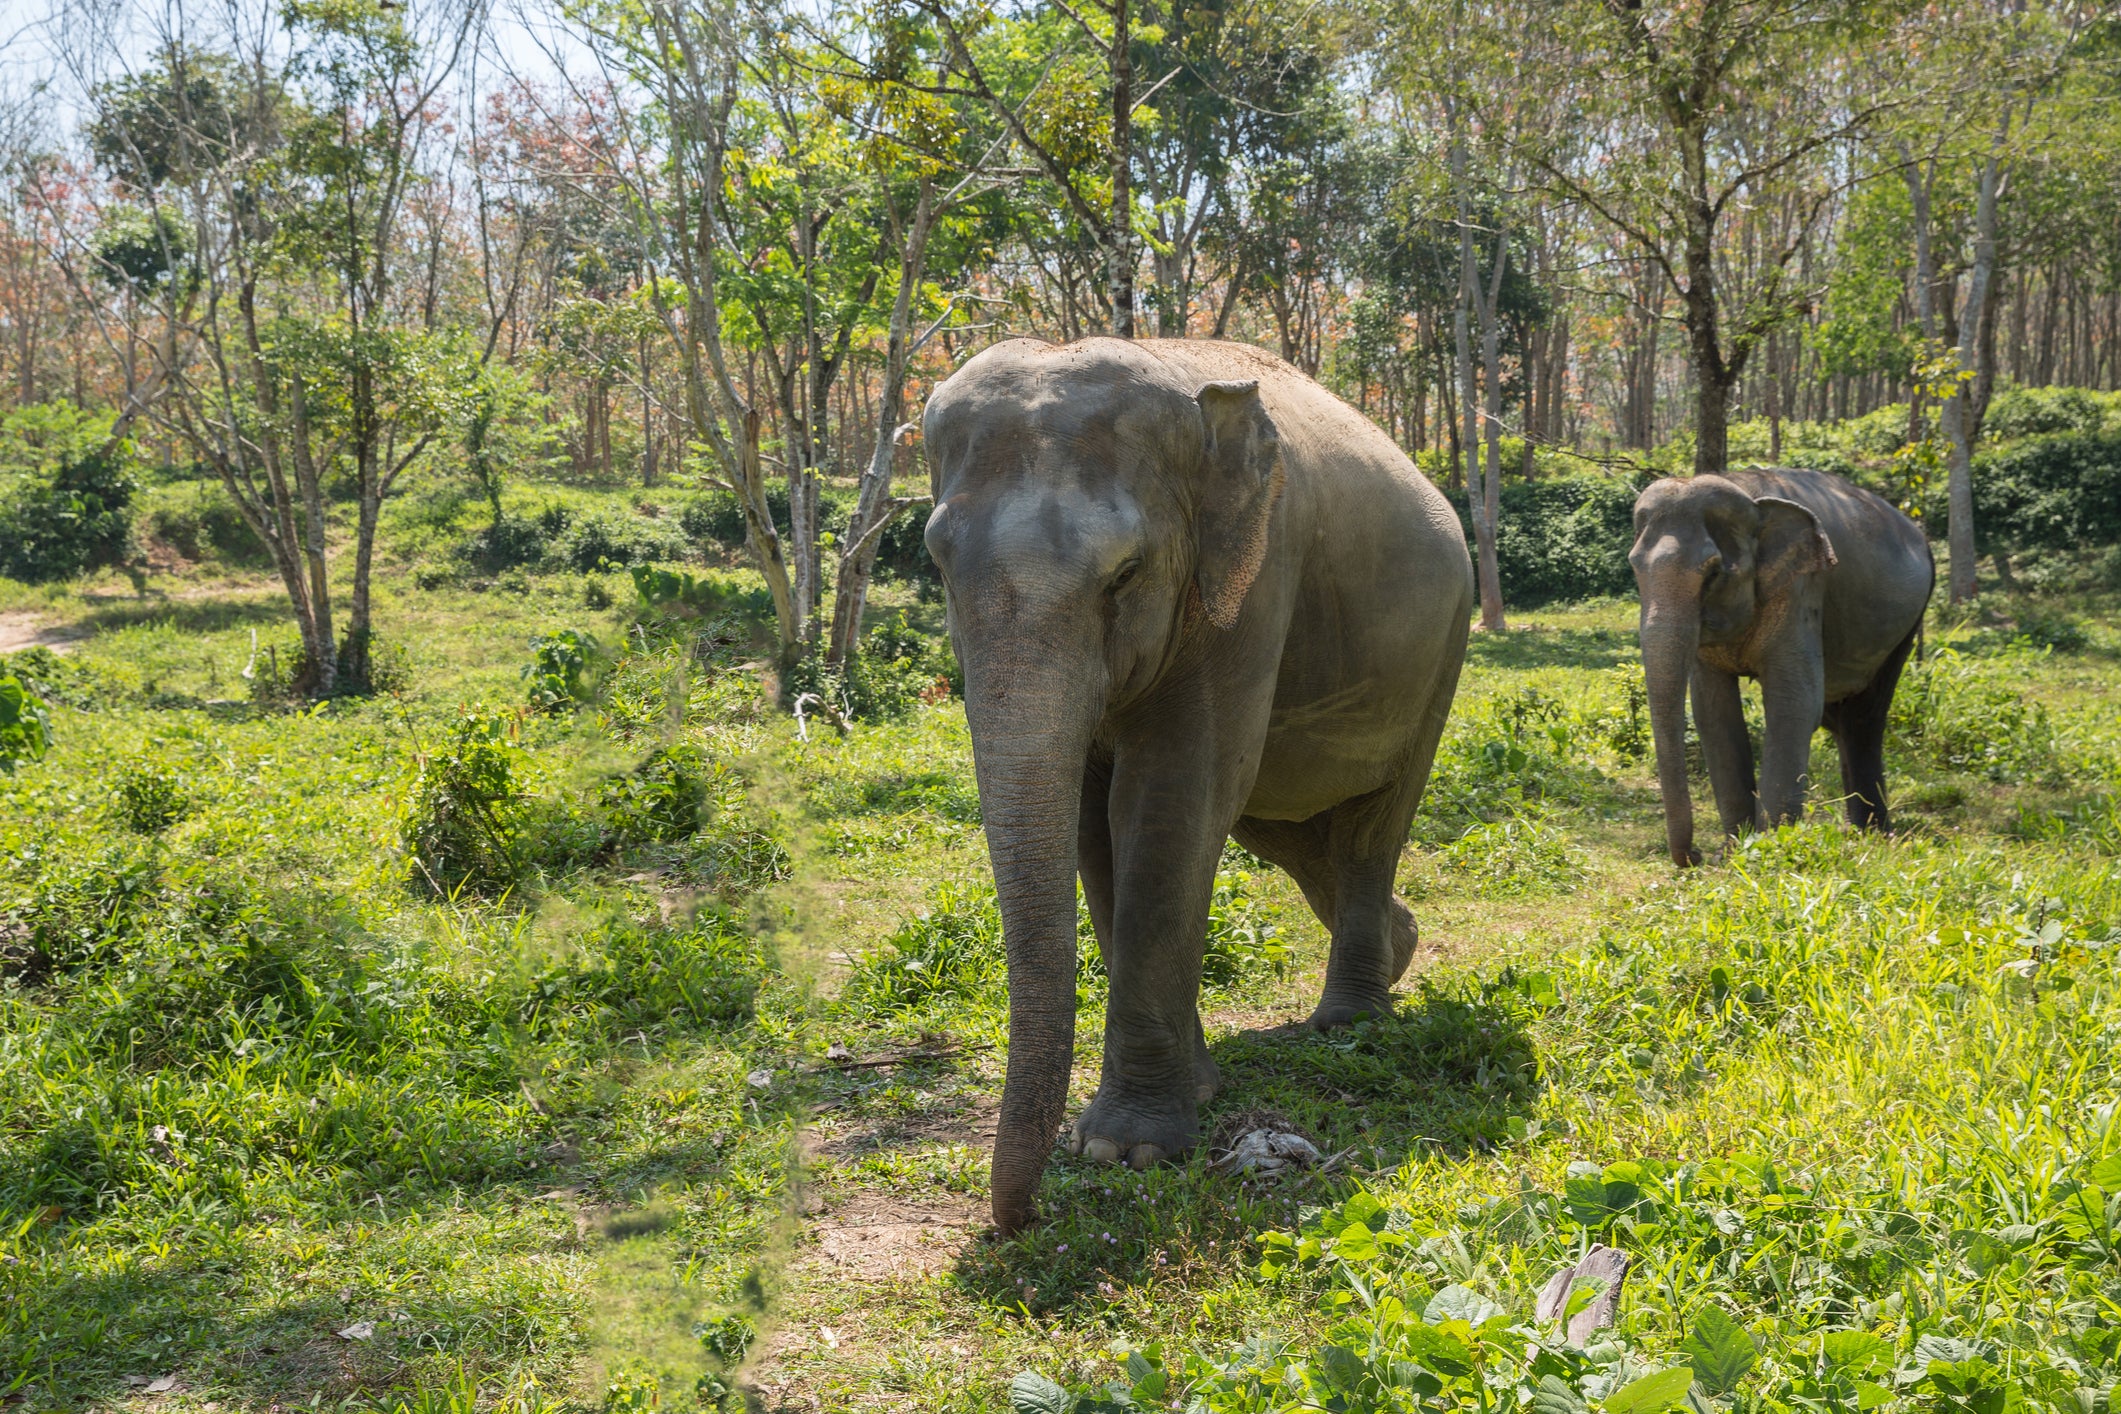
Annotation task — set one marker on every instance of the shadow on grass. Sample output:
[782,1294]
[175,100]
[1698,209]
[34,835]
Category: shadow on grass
[1444,1078]
[1523,649]
[204,615]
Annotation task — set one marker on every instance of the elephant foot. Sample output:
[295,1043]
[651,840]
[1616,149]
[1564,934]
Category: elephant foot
[1136,1130]
[1207,1076]
[1405,937]
[1335,1011]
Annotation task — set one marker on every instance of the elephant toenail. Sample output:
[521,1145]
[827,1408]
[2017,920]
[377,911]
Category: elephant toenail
[1144,1155]
[1101,1151]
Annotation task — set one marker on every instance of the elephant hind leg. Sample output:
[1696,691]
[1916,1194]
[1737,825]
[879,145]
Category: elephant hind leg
[1344,860]
[1858,723]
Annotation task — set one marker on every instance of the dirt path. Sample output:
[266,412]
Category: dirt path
[20,631]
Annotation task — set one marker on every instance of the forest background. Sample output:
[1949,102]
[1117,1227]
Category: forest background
[308,255]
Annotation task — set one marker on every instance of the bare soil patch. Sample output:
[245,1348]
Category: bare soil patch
[20,631]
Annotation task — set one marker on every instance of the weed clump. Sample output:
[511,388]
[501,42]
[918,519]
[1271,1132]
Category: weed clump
[150,798]
[1969,715]
[470,820]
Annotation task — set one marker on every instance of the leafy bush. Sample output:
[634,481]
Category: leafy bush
[470,820]
[513,541]
[2040,412]
[617,539]
[564,667]
[25,725]
[2047,493]
[665,798]
[210,527]
[1239,944]
[150,798]
[897,667]
[65,493]
[1564,538]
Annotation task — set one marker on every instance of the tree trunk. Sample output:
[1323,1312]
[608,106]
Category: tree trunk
[1972,348]
[1478,499]
[1121,253]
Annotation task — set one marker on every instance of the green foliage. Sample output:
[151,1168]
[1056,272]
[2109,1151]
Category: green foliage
[565,665]
[209,527]
[1562,538]
[25,724]
[1521,854]
[1240,944]
[617,540]
[2060,492]
[660,593]
[2016,412]
[1970,714]
[897,668]
[65,494]
[950,950]
[150,798]
[470,820]
[664,798]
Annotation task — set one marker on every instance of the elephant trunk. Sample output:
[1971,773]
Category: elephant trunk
[1031,733]
[1669,642]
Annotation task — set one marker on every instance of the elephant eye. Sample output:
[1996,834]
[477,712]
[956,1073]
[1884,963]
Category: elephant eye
[1126,574]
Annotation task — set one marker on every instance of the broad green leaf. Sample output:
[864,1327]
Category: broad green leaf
[1554,1395]
[1858,1352]
[1446,1355]
[1652,1394]
[1720,1351]
[1586,1199]
[2107,1172]
[1032,1393]
[1460,1303]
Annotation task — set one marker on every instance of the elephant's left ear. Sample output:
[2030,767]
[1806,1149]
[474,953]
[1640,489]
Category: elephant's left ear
[1241,478]
[1791,540]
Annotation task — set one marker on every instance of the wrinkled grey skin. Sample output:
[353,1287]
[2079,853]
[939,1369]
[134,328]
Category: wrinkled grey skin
[1802,581]
[1194,595]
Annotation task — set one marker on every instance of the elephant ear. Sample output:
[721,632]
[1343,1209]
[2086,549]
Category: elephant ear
[1241,478]
[1792,542]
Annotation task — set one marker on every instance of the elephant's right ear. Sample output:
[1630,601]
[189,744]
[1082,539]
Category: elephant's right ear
[1241,478]
[1792,541]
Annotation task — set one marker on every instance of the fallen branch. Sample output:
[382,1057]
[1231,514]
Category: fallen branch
[911,1058]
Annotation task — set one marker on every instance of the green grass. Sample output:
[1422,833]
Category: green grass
[261,1082]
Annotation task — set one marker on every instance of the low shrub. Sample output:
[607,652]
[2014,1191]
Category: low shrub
[1522,854]
[897,667]
[2040,412]
[471,820]
[564,669]
[618,540]
[2046,493]
[664,798]
[150,798]
[952,948]
[1240,945]
[1563,538]
[25,725]
[209,528]
[75,518]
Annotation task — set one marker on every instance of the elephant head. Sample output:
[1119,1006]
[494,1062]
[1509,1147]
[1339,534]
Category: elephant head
[1092,511]
[1713,567]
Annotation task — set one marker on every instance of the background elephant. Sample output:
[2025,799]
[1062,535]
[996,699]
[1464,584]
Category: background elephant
[1194,594]
[1799,579]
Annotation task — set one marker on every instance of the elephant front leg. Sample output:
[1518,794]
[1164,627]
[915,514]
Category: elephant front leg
[1166,841]
[1793,694]
[1719,718]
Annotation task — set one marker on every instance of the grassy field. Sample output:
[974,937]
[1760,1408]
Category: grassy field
[428,1052]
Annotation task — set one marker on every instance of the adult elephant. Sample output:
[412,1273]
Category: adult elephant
[1194,595]
[1801,580]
